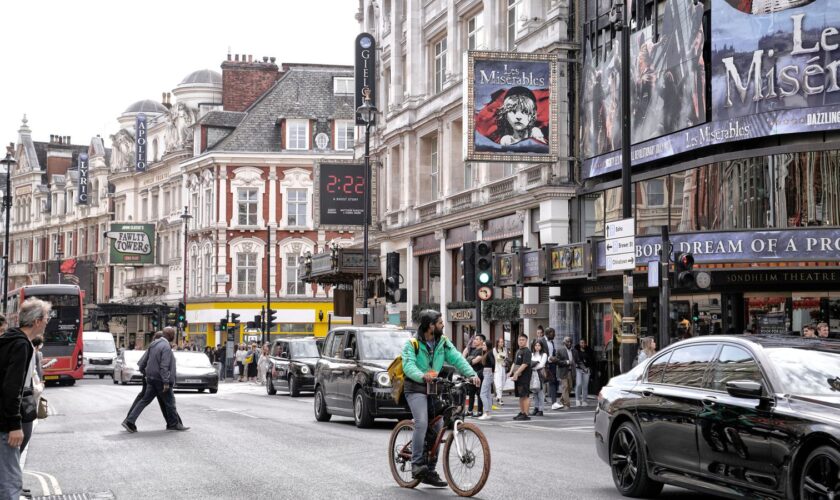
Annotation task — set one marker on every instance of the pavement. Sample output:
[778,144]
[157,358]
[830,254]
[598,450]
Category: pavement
[246,444]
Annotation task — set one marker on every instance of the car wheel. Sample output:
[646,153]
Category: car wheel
[321,413]
[269,387]
[201,390]
[629,464]
[115,380]
[101,376]
[214,390]
[72,381]
[294,391]
[361,411]
[820,474]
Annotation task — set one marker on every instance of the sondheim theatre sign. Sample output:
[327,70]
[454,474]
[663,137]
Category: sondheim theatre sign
[783,245]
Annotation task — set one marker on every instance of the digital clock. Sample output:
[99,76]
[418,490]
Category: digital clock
[341,194]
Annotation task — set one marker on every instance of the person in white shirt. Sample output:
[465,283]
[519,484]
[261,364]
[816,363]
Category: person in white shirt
[538,361]
[500,374]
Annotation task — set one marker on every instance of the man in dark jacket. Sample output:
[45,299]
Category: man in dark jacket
[160,378]
[16,353]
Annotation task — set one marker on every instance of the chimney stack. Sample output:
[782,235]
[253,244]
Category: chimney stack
[245,79]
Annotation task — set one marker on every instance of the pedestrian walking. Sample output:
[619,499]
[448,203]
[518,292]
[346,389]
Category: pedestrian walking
[565,374]
[487,379]
[16,369]
[141,364]
[262,365]
[551,366]
[475,357]
[584,364]
[32,391]
[239,367]
[520,373]
[159,371]
[538,362]
[502,363]
[251,359]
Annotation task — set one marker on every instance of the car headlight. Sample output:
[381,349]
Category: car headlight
[383,379]
[304,369]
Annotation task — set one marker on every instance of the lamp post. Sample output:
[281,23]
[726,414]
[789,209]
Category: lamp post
[8,162]
[621,21]
[186,217]
[367,112]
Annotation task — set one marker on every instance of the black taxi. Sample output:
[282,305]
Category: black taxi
[292,366]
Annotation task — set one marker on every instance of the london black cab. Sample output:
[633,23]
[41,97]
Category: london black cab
[292,366]
[351,377]
[739,417]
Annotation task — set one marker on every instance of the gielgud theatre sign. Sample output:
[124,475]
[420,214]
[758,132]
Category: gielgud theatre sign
[782,245]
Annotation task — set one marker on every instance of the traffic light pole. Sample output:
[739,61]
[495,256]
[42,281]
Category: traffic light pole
[664,290]
[629,347]
[267,334]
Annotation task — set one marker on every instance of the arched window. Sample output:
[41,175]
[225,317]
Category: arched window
[155,150]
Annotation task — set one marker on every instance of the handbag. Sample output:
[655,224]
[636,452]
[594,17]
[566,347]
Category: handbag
[535,381]
[28,406]
[43,407]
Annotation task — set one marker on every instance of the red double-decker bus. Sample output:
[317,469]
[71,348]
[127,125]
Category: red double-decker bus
[62,349]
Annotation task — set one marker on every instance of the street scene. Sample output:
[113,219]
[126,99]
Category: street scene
[406,248]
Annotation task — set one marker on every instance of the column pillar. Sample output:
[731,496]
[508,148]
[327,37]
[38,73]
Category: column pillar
[531,294]
[446,273]
[413,278]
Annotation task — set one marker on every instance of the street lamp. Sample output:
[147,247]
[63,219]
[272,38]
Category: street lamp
[367,112]
[186,217]
[8,162]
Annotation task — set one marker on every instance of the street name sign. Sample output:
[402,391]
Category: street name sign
[620,245]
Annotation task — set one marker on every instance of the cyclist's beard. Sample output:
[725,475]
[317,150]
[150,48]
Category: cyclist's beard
[438,333]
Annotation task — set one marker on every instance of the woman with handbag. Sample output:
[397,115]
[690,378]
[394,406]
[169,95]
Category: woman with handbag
[502,366]
[538,361]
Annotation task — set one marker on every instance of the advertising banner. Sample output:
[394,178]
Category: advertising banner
[510,107]
[365,72]
[340,195]
[785,245]
[667,76]
[84,180]
[132,244]
[140,143]
[74,272]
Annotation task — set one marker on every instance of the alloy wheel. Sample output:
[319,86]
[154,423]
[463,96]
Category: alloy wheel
[624,458]
[821,475]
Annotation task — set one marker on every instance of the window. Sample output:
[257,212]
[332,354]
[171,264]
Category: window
[293,285]
[734,363]
[296,206]
[508,169]
[440,64]
[344,135]
[296,134]
[434,167]
[342,86]
[688,365]
[194,285]
[208,206]
[246,273]
[333,345]
[195,221]
[655,192]
[475,32]
[468,175]
[208,272]
[144,208]
[247,204]
[511,20]
[154,207]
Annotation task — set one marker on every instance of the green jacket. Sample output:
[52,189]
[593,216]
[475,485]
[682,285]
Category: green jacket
[416,365]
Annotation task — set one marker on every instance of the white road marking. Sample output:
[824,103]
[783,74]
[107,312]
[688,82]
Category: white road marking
[44,488]
[54,483]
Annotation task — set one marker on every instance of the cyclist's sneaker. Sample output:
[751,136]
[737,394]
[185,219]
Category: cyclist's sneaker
[419,471]
[433,479]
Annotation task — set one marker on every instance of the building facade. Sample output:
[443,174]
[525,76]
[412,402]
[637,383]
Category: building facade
[431,201]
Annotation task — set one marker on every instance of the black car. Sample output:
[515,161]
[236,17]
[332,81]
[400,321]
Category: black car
[751,416]
[292,366]
[351,378]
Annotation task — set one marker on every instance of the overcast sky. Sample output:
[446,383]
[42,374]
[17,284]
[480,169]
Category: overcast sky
[74,66]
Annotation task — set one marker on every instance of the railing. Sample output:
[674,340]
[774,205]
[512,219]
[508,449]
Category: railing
[428,210]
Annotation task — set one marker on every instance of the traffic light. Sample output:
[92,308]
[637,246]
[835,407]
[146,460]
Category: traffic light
[258,321]
[683,270]
[234,318]
[182,312]
[171,317]
[155,321]
[270,319]
[483,264]
[392,277]
[695,313]
[468,271]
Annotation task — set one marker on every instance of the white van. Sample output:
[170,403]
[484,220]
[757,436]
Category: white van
[99,353]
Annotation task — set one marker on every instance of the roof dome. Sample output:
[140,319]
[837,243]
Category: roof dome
[203,76]
[146,106]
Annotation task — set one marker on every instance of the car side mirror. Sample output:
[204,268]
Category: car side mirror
[284,355]
[349,353]
[747,389]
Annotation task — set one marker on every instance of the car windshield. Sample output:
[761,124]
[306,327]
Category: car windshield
[192,360]
[99,346]
[382,344]
[807,372]
[304,349]
[133,357]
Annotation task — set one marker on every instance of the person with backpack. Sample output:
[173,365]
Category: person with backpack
[423,357]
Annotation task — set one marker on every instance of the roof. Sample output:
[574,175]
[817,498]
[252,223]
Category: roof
[146,106]
[203,76]
[228,119]
[770,341]
[304,91]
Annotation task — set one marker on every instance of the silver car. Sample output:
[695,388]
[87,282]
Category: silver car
[125,367]
[194,371]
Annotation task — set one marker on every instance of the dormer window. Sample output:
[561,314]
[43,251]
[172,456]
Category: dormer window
[297,134]
[342,86]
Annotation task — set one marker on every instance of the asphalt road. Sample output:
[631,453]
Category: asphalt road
[244,444]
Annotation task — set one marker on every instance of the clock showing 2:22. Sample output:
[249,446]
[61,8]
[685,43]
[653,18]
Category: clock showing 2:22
[345,184]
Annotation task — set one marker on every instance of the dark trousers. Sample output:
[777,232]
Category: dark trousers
[473,392]
[154,389]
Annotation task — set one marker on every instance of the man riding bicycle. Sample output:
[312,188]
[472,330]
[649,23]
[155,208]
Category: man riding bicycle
[421,367]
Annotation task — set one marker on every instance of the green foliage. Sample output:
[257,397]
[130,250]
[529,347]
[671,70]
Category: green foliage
[502,310]
[461,305]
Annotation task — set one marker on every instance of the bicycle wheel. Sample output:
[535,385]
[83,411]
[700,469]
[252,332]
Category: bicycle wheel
[466,469]
[399,454]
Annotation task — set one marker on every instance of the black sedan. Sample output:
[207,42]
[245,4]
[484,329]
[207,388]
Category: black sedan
[194,371]
[753,416]
[292,366]
[351,378]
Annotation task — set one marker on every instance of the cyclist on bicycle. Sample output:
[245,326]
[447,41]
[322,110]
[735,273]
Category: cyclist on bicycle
[433,350]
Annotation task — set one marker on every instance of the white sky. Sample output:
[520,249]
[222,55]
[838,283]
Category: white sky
[73,66]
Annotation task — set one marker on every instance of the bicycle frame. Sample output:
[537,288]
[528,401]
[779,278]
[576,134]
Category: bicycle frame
[454,411]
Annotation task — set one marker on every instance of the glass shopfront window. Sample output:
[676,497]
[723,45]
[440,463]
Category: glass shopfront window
[779,191]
